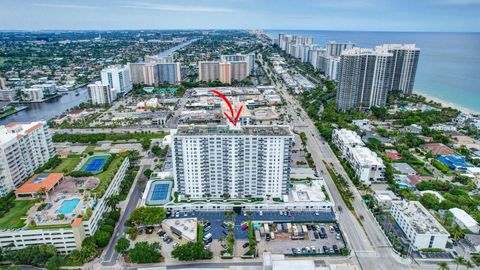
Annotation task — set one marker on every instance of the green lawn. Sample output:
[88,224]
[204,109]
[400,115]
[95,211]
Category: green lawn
[68,164]
[12,219]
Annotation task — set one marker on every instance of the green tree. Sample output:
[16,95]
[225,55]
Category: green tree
[122,246]
[102,238]
[147,173]
[459,261]
[143,252]
[112,201]
[191,251]
[148,215]
[430,201]
[55,262]
[457,232]
[443,266]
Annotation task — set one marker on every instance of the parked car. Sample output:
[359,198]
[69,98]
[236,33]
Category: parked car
[175,245]
[267,237]
[316,235]
[325,249]
[338,236]
[244,227]
[207,228]
[177,214]
[161,233]
[169,240]
[245,245]
[335,249]
[207,236]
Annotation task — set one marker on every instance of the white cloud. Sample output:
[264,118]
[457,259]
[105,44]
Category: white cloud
[70,6]
[178,8]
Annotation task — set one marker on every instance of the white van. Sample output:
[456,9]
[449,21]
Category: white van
[207,236]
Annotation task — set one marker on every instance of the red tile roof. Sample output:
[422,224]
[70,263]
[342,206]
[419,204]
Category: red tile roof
[76,222]
[47,183]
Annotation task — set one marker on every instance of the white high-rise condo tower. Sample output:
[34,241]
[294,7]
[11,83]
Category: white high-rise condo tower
[216,161]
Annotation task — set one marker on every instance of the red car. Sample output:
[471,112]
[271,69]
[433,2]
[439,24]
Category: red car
[244,227]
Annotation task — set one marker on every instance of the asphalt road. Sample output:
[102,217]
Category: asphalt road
[110,257]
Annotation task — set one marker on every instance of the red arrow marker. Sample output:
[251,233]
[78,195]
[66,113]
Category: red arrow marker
[232,118]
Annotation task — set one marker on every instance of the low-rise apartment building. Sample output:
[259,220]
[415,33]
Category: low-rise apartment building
[368,166]
[70,237]
[420,227]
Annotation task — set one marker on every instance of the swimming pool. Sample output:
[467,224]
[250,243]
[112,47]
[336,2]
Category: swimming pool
[159,192]
[67,206]
[94,164]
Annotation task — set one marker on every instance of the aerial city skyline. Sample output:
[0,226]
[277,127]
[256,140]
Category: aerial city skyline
[189,134]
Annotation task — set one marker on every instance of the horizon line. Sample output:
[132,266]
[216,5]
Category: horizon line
[228,29]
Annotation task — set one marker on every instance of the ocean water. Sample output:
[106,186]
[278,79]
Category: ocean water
[449,64]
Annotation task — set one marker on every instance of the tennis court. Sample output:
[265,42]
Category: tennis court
[159,192]
[95,164]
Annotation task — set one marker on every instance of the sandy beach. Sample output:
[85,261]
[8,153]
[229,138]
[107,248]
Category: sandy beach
[445,103]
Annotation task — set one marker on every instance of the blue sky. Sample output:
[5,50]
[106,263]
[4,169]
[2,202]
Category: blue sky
[381,15]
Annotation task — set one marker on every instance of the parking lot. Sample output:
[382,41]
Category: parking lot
[312,244]
[216,218]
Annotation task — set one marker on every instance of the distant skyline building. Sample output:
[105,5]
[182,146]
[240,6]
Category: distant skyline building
[364,78]
[405,62]
[118,78]
[33,94]
[157,59]
[23,149]
[8,94]
[224,71]
[3,83]
[216,161]
[208,71]
[169,73]
[136,72]
[249,58]
[334,48]
[101,93]
[49,89]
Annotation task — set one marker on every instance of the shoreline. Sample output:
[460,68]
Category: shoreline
[445,103]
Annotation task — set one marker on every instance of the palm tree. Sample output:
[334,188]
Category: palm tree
[443,266]
[112,201]
[469,264]
[457,232]
[459,261]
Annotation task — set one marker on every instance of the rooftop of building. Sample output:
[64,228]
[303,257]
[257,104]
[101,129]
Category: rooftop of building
[39,182]
[187,227]
[366,156]
[419,217]
[398,47]
[349,136]
[463,216]
[223,130]
[302,192]
[17,130]
[356,51]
